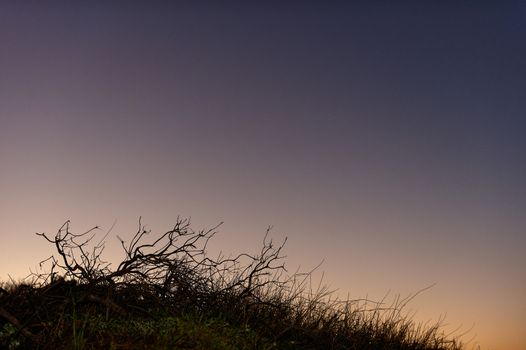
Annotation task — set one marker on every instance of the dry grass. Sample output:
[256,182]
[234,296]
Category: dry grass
[167,293]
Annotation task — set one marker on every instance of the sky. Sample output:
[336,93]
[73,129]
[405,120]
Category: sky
[385,139]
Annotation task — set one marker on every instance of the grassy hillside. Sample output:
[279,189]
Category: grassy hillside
[168,294]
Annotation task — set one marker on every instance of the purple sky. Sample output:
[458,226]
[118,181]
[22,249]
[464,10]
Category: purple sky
[387,140]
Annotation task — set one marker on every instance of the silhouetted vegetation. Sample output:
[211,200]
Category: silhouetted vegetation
[167,293]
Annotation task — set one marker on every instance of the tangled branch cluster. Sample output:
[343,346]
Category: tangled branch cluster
[172,266]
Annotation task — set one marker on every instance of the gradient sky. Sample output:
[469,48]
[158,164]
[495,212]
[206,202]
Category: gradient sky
[387,140]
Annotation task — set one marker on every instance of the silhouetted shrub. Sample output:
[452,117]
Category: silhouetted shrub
[170,283]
